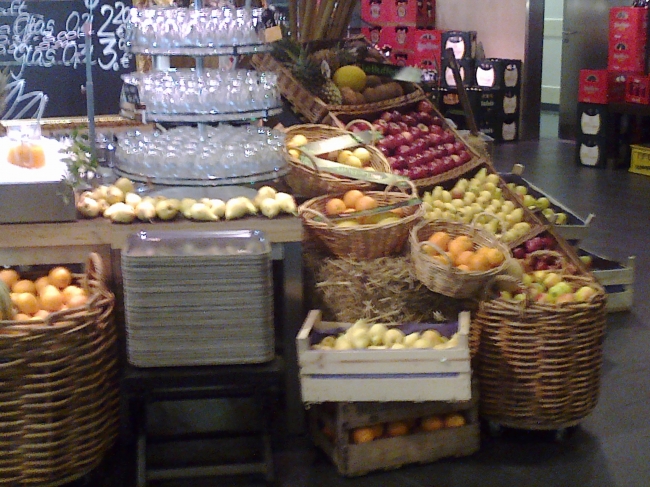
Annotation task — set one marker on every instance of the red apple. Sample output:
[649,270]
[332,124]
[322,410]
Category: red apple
[409,120]
[398,162]
[416,132]
[443,152]
[433,140]
[386,116]
[425,106]
[519,253]
[458,146]
[394,128]
[417,172]
[451,149]
[464,156]
[407,136]
[438,167]
[403,126]
[403,150]
[419,145]
[425,118]
[385,150]
[447,163]
[448,137]
[395,116]
[438,121]
[436,129]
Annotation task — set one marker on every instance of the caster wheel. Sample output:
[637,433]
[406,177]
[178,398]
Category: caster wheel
[495,430]
[560,435]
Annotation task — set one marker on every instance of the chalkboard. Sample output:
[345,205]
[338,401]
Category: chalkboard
[42,42]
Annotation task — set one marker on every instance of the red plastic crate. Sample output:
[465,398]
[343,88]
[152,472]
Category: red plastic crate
[637,89]
[421,13]
[627,23]
[627,55]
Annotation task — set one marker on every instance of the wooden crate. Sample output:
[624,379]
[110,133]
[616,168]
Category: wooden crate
[331,425]
[616,278]
[575,229]
[382,375]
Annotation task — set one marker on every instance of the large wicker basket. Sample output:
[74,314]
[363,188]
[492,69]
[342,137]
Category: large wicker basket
[309,182]
[311,107]
[539,365]
[362,242]
[444,278]
[59,394]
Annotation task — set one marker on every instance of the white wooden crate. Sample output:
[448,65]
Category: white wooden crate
[575,229]
[616,278]
[382,375]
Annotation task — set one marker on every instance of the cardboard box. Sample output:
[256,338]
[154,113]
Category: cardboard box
[640,160]
[466,68]
[591,151]
[637,89]
[463,43]
[628,23]
[381,375]
[501,129]
[498,73]
[421,13]
[375,12]
[627,55]
[592,119]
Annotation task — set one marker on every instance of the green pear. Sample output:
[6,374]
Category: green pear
[560,288]
[543,203]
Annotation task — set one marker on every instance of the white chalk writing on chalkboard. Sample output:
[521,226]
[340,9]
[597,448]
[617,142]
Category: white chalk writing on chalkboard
[32,39]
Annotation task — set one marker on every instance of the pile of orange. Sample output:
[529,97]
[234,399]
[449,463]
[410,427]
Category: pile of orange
[353,200]
[47,294]
[463,253]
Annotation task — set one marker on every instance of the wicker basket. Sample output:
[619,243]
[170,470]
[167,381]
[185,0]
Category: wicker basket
[445,278]
[539,365]
[309,182]
[362,242]
[342,119]
[312,108]
[59,394]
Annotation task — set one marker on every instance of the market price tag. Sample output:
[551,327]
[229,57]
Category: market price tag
[351,172]
[341,142]
[375,211]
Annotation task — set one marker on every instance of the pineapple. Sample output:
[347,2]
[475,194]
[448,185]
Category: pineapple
[312,74]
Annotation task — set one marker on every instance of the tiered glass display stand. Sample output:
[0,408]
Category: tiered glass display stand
[201,119]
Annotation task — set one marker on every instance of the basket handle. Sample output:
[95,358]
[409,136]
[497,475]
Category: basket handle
[310,211]
[551,253]
[426,243]
[402,184]
[94,271]
[504,278]
[490,215]
[375,134]
[311,159]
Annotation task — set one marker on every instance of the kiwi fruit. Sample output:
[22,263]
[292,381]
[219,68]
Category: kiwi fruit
[372,81]
[371,95]
[360,99]
[348,95]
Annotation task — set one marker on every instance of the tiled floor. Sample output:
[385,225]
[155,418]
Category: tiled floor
[612,446]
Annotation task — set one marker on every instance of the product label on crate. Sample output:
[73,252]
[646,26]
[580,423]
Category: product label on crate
[352,172]
[398,73]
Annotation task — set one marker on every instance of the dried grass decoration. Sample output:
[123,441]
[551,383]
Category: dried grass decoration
[383,290]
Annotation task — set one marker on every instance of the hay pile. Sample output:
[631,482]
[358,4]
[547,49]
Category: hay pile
[381,290]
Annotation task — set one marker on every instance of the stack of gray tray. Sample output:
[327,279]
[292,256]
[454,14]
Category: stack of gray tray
[198,298]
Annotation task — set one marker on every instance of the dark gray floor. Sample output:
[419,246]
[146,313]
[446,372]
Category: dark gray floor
[611,447]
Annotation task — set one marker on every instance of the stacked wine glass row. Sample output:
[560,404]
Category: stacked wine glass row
[222,152]
[215,91]
[170,28]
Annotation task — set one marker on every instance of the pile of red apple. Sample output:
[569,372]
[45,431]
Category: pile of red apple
[416,143]
[541,262]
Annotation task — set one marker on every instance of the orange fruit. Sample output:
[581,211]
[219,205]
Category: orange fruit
[478,263]
[464,257]
[22,317]
[40,283]
[460,244]
[51,298]
[463,267]
[24,286]
[483,250]
[432,423]
[26,303]
[60,277]
[77,300]
[365,203]
[441,239]
[350,198]
[9,277]
[335,206]
[41,314]
[495,257]
[362,435]
[71,291]
[397,428]
[454,420]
